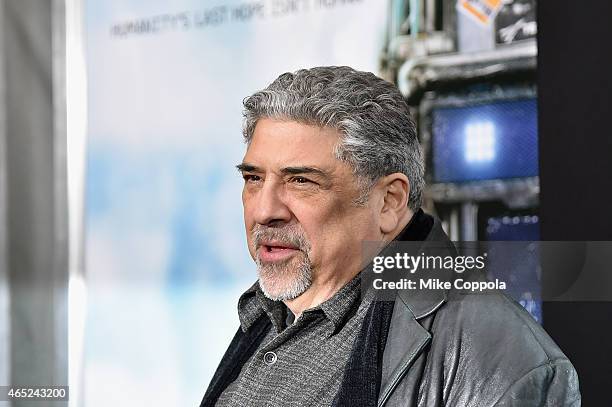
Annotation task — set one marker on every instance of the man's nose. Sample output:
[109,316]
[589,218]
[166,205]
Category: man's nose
[271,206]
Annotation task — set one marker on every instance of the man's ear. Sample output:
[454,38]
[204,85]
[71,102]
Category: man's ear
[395,190]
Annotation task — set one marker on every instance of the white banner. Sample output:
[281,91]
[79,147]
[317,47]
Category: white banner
[166,255]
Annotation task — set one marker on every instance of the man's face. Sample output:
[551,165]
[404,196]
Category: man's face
[302,225]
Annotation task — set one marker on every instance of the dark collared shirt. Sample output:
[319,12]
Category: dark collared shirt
[301,362]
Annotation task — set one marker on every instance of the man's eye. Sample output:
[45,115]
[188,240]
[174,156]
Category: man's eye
[251,178]
[300,180]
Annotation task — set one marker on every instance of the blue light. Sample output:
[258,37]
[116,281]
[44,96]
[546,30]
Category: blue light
[498,140]
[479,142]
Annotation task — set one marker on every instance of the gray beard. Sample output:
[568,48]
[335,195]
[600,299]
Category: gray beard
[286,280]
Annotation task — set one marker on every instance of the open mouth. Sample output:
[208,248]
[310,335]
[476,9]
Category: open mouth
[276,252]
[277,248]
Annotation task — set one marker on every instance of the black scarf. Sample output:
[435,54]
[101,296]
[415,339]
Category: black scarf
[361,383]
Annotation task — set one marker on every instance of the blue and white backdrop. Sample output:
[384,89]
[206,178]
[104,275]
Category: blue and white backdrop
[166,257]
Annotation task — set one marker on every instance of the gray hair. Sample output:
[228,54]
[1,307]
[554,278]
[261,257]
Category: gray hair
[378,133]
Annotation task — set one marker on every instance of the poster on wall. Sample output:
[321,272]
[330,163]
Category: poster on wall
[166,255]
[516,21]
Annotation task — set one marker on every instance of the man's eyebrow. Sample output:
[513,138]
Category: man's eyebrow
[304,170]
[246,167]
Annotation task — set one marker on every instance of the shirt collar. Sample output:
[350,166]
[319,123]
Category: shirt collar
[253,304]
[249,309]
[337,309]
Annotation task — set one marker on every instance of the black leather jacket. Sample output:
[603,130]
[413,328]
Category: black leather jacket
[450,349]
[446,349]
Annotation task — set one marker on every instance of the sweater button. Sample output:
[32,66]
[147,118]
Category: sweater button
[270,358]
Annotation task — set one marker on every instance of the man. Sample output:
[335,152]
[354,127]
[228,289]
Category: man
[333,161]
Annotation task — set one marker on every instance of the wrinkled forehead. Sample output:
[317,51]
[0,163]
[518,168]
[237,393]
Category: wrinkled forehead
[281,143]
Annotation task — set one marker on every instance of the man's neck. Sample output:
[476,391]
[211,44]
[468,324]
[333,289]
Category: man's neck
[315,295]
[321,291]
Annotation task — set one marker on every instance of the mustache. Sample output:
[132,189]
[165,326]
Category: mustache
[290,235]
